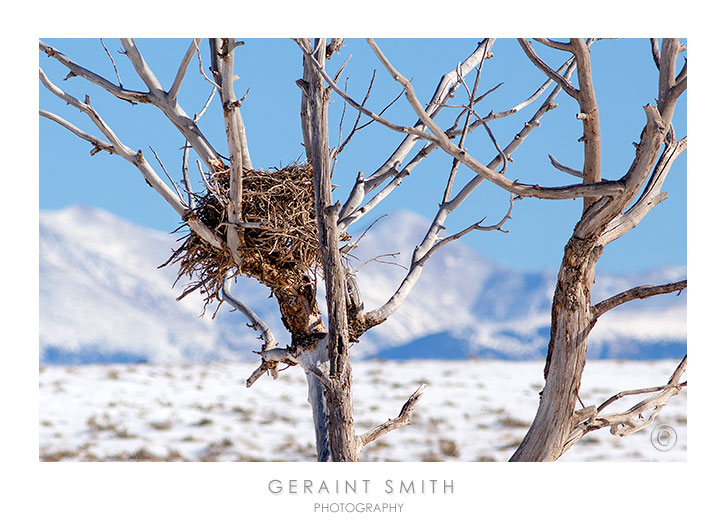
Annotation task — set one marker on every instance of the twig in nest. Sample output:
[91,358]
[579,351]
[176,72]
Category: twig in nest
[279,238]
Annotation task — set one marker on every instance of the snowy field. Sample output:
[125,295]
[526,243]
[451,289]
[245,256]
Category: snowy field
[471,411]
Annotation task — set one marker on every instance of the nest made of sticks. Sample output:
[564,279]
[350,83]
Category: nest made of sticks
[278,251]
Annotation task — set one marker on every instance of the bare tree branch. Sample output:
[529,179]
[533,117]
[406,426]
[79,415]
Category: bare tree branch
[183,67]
[403,419]
[115,69]
[566,69]
[270,361]
[333,46]
[524,190]
[589,116]
[223,70]
[142,68]
[98,144]
[255,322]
[680,82]
[655,52]
[669,88]
[185,175]
[430,244]
[558,45]
[640,292]
[651,196]
[395,127]
[546,69]
[504,157]
[466,126]
[271,355]
[604,211]
[157,98]
[222,65]
[632,420]
[77,70]
[342,143]
[566,169]
[138,160]
[187,145]
[444,91]
[476,226]
[170,179]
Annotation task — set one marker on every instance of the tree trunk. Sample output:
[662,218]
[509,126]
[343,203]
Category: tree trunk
[570,326]
[344,445]
[317,357]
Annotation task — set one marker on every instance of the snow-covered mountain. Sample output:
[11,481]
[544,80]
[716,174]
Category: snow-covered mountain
[103,298]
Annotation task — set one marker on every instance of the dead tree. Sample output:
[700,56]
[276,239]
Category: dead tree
[233,230]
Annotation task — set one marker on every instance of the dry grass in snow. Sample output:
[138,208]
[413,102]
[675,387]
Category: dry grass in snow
[472,411]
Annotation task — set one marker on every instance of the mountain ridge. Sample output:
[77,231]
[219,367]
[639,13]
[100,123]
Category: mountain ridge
[104,299]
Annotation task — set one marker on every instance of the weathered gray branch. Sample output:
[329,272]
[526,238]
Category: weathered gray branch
[655,52]
[255,322]
[270,361]
[444,91]
[558,45]
[469,112]
[430,244]
[546,69]
[361,185]
[77,70]
[651,196]
[640,292]
[597,217]
[566,169]
[183,67]
[137,159]
[142,68]
[670,88]
[604,188]
[403,419]
[589,115]
[632,420]
[98,144]
[222,65]
[476,226]
[157,97]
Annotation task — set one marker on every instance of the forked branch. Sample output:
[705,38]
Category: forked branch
[632,420]
[546,69]
[271,355]
[270,363]
[155,96]
[440,138]
[403,419]
[134,157]
[183,67]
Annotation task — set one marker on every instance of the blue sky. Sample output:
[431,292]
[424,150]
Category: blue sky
[625,80]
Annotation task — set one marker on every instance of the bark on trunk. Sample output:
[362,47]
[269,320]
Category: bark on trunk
[317,357]
[570,326]
[344,445]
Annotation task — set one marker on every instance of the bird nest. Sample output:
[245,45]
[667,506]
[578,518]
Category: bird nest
[277,232]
